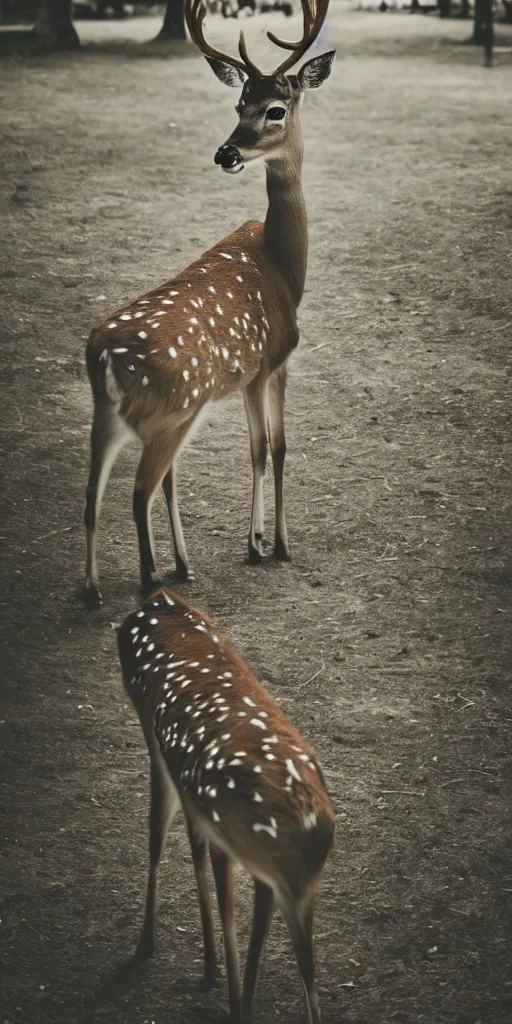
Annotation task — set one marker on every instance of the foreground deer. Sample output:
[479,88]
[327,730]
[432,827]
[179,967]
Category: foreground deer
[250,787]
[226,323]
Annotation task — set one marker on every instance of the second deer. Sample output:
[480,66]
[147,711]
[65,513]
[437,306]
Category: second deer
[226,323]
[250,787]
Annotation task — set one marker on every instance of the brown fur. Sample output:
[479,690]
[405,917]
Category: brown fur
[215,727]
[167,390]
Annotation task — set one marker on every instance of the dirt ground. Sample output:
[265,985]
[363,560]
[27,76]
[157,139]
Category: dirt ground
[387,640]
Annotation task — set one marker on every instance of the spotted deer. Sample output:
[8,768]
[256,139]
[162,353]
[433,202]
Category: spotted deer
[250,787]
[226,323]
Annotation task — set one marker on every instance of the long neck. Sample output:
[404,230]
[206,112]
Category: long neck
[286,225]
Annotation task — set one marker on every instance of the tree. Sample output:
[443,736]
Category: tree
[483,28]
[174,21]
[54,25]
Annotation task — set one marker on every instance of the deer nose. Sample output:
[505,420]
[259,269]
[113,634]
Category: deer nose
[228,156]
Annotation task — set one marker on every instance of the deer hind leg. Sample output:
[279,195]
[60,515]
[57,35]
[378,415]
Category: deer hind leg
[223,875]
[262,916]
[171,500]
[255,399]
[277,387]
[109,434]
[163,807]
[298,915]
[156,460]
[199,848]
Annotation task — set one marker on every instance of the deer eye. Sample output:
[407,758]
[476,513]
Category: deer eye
[275,113]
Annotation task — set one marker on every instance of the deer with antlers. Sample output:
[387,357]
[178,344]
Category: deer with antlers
[226,323]
[250,787]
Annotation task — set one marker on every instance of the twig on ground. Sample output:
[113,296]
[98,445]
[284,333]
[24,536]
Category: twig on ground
[401,792]
[52,533]
[302,686]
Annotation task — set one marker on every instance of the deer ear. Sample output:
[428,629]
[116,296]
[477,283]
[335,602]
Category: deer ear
[313,74]
[227,73]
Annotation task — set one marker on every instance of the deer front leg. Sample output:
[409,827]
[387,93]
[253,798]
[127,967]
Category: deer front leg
[223,875]
[163,807]
[299,919]
[199,849]
[255,399]
[277,387]
[262,916]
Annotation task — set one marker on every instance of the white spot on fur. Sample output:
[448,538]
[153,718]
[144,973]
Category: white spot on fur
[258,827]
[292,770]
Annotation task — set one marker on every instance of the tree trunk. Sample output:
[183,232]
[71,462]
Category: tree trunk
[489,32]
[174,21]
[478,24]
[483,28]
[54,26]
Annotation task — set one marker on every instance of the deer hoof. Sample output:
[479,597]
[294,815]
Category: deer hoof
[255,553]
[181,572]
[281,551]
[150,581]
[93,595]
[145,948]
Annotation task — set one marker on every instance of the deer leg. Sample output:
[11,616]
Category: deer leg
[199,848]
[163,806]
[156,460]
[277,387]
[262,916]
[109,435]
[171,500]
[223,875]
[299,918]
[255,399]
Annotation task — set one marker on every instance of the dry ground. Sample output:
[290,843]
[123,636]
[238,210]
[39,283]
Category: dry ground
[397,604]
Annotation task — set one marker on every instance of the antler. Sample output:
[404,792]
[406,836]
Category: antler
[195,13]
[314,13]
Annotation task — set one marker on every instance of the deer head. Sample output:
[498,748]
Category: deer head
[269,104]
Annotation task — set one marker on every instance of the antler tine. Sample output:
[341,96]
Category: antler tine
[314,14]
[195,13]
[242,49]
[307,18]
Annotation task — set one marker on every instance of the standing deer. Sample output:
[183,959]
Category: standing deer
[250,787]
[226,323]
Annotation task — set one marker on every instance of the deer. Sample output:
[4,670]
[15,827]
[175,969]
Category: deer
[227,323]
[250,787]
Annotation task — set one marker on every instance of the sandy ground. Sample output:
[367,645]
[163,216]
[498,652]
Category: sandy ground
[387,639]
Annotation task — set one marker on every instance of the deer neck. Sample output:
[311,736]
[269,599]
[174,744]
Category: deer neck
[286,226]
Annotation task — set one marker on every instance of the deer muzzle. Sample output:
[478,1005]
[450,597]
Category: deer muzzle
[229,158]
